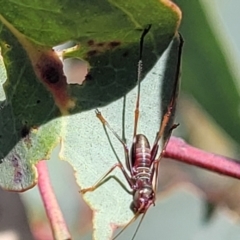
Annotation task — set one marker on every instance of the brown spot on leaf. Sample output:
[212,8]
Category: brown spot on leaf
[17,177]
[15,161]
[44,60]
[49,70]
[100,44]
[90,42]
[51,74]
[25,131]
[88,77]
[114,44]
[92,53]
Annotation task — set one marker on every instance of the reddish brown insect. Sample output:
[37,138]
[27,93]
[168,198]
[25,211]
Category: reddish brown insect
[142,162]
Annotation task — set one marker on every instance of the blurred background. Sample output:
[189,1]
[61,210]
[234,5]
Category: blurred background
[195,203]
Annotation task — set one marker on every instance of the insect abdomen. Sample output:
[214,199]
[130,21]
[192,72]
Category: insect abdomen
[142,152]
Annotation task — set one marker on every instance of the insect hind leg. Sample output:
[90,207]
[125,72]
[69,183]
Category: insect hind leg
[101,180]
[120,165]
[107,125]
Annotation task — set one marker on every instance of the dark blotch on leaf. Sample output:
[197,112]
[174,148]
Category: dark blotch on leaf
[90,42]
[101,44]
[88,77]
[38,101]
[15,161]
[25,131]
[92,53]
[125,54]
[51,74]
[114,44]
[18,177]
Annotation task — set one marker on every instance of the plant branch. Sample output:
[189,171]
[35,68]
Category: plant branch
[55,217]
[177,149]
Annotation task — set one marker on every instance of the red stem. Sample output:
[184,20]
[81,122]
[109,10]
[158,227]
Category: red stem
[55,217]
[179,150]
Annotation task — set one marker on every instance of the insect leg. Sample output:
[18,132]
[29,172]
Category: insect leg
[100,181]
[155,165]
[139,78]
[154,174]
[105,123]
[160,133]
[166,119]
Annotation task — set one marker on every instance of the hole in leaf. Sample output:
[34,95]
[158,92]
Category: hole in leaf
[3,78]
[64,46]
[75,70]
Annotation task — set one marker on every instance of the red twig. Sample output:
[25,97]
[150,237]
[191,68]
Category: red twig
[55,217]
[179,150]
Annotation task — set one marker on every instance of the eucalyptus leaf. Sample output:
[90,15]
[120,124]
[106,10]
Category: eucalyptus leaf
[89,151]
[37,93]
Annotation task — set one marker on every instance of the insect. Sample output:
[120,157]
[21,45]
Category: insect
[142,162]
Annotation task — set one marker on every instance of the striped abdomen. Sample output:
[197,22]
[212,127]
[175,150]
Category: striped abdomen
[141,157]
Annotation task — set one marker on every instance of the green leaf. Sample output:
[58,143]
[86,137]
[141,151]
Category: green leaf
[205,72]
[36,90]
[89,151]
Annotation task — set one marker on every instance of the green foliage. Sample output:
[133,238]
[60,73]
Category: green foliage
[37,94]
[94,157]
[108,33]
[206,75]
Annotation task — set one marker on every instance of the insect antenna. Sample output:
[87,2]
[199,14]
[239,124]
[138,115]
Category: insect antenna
[139,78]
[129,223]
[139,224]
[110,143]
[123,119]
